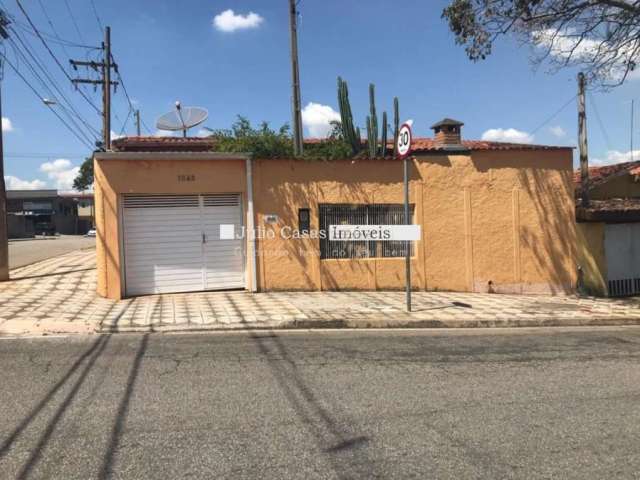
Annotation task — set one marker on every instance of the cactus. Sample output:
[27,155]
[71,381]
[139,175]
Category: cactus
[383,139]
[373,140]
[348,131]
[396,126]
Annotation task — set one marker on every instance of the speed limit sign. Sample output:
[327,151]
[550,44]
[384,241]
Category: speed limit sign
[404,140]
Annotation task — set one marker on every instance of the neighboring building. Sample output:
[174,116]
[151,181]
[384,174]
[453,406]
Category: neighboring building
[84,209]
[609,230]
[495,217]
[42,212]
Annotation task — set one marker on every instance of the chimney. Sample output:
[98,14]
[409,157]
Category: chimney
[447,133]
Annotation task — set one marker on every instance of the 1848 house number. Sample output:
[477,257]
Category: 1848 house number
[186,178]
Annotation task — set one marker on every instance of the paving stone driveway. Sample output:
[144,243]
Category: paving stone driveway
[58,296]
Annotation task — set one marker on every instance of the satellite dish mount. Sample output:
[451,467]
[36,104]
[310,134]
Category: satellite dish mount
[182,119]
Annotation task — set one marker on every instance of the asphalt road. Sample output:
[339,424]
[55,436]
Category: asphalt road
[26,252]
[322,405]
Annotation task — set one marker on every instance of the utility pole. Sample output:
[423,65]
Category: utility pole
[582,140]
[137,113]
[104,68]
[631,137]
[295,76]
[4,234]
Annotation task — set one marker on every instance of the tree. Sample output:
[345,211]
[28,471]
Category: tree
[601,37]
[84,180]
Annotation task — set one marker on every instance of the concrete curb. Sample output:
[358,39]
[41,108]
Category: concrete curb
[310,324]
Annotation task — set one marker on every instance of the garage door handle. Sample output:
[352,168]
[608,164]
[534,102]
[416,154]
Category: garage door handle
[204,238]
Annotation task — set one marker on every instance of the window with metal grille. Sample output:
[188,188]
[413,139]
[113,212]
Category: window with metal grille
[345,214]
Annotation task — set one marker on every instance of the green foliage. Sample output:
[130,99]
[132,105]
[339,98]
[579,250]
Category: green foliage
[396,125]
[84,179]
[264,142]
[383,140]
[372,123]
[350,134]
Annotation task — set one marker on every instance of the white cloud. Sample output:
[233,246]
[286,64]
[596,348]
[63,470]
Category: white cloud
[15,183]
[558,131]
[115,136]
[615,156]
[569,45]
[7,126]
[317,118]
[203,133]
[229,21]
[507,135]
[164,133]
[61,172]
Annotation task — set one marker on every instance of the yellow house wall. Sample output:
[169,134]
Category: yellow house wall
[491,221]
[591,257]
[113,178]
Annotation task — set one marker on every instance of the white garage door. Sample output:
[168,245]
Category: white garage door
[172,243]
[622,249]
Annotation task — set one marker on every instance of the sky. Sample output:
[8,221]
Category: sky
[232,58]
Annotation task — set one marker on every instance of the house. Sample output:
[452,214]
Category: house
[609,230]
[494,217]
[31,212]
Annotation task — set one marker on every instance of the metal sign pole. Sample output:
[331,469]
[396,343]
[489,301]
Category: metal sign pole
[407,221]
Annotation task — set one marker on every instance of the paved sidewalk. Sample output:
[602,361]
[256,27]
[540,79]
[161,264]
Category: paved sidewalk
[58,296]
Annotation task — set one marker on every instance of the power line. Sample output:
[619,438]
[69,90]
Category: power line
[48,89]
[54,57]
[565,105]
[95,11]
[145,127]
[53,28]
[73,19]
[32,88]
[599,120]
[38,62]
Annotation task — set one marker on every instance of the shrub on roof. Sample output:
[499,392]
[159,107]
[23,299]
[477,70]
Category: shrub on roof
[265,142]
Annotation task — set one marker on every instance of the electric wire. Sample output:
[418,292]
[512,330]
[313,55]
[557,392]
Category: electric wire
[48,89]
[33,89]
[48,75]
[95,11]
[53,28]
[605,135]
[73,19]
[555,114]
[56,58]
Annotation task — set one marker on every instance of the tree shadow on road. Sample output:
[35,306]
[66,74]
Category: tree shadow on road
[91,355]
[333,438]
[106,471]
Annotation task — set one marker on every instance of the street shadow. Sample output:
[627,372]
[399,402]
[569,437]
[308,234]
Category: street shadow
[55,274]
[96,346]
[92,354]
[106,471]
[331,437]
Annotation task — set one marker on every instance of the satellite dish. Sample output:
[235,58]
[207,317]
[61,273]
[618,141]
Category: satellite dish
[182,119]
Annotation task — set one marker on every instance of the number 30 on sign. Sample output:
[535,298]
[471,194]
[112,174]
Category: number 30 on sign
[404,140]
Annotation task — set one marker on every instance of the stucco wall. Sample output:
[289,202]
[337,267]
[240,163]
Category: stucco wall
[499,220]
[592,258]
[493,221]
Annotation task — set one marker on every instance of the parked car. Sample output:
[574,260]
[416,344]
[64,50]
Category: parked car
[91,233]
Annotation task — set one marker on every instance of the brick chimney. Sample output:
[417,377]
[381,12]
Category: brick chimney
[447,133]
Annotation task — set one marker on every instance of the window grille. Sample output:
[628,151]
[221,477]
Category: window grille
[345,214]
[624,288]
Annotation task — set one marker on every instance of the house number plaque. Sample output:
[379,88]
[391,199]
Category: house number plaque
[186,178]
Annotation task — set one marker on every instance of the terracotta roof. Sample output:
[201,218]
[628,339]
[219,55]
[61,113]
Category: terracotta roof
[428,145]
[599,175]
[198,144]
[163,144]
[610,210]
